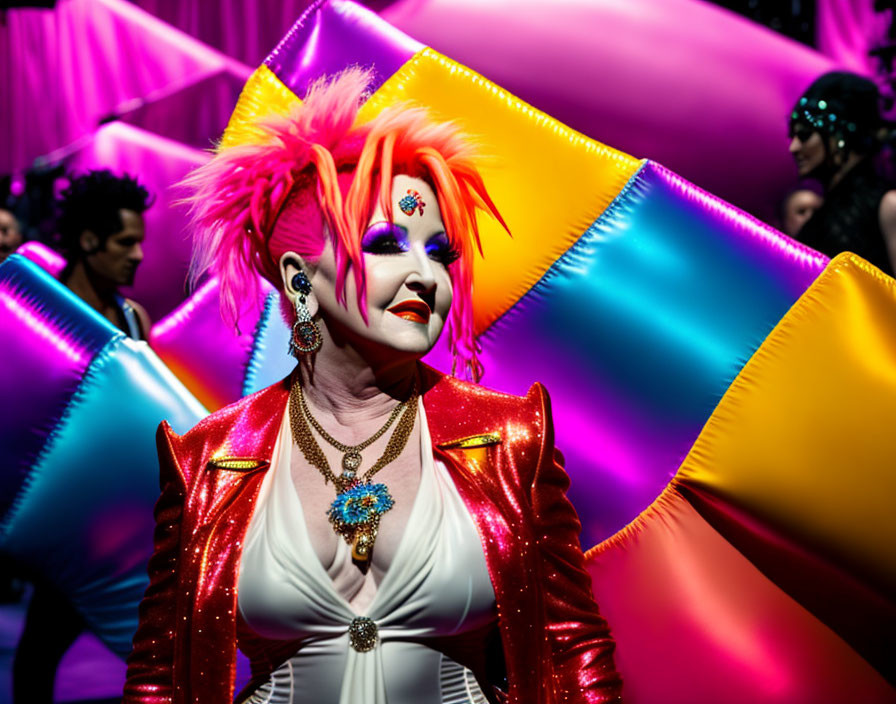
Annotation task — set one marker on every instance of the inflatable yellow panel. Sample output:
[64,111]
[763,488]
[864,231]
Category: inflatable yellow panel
[804,437]
[264,94]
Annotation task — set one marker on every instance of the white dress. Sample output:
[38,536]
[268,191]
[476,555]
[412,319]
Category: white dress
[436,591]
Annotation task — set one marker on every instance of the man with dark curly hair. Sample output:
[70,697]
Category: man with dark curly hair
[101,229]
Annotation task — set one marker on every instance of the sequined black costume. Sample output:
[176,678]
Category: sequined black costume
[849,219]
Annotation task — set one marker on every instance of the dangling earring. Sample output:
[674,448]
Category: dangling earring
[306,337]
[839,155]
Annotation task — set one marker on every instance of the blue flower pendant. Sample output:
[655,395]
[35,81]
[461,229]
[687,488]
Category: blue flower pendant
[355,514]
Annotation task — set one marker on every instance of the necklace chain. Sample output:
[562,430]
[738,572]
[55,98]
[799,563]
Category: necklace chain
[333,441]
[301,421]
[355,513]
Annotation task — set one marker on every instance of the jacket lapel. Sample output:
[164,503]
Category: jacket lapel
[245,449]
[235,461]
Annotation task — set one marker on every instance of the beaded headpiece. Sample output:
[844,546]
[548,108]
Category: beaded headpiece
[843,106]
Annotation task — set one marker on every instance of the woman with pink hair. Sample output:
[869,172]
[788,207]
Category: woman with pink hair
[368,529]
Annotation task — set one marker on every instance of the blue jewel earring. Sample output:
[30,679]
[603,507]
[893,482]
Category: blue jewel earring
[306,337]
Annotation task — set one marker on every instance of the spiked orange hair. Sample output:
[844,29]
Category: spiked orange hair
[319,165]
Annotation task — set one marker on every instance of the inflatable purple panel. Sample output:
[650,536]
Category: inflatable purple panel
[49,338]
[81,403]
[363,40]
[637,331]
[207,355]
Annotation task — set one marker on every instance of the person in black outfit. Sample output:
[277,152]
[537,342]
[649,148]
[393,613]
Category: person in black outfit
[836,129]
[101,234]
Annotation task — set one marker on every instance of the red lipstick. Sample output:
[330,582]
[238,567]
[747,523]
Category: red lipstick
[414,310]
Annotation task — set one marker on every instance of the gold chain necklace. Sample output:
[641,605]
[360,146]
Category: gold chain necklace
[356,511]
[351,458]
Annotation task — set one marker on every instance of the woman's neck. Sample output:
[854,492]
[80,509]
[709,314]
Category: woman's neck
[343,383]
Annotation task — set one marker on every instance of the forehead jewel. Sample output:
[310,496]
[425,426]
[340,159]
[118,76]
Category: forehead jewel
[410,202]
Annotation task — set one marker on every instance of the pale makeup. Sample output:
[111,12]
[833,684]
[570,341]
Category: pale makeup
[406,262]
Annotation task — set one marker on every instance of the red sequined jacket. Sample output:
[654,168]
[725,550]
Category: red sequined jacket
[498,449]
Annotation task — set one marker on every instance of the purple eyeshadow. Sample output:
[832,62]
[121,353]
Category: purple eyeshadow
[384,238]
[437,243]
[384,235]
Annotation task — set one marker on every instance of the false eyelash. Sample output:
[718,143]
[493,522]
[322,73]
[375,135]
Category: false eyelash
[446,256]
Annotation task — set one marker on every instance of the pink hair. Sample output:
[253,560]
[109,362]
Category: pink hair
[252,203]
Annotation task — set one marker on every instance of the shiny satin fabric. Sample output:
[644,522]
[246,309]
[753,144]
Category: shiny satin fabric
[210,357]
[219,364]
[333,34]
[696,622]
[49,338]
[796,464]
[638,330]
[264,94]
[327,38]
[80,510]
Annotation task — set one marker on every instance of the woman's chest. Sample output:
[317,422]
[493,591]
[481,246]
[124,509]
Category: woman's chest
[400,479]
[432,577]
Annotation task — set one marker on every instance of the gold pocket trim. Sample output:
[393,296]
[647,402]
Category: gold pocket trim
[237,464]
[468,443]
